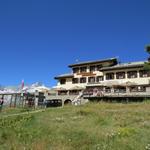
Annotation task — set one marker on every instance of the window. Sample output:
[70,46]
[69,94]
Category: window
[83,80]
[75,70]
[99,78]
[120,75]
[144,73]
[62,81]
[75,80]
[62,92]
[91,79]
[133,89]
[120,90]
[107,89]
[92,68]
[51,94]
[138,89]
[83,69]
[109,76]
[141,88]
[99,67]
[74,92]
[132,74]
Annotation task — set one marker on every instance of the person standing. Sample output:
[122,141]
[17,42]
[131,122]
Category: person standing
[1,103]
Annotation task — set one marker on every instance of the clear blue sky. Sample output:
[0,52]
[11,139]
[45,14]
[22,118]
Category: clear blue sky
[38,39]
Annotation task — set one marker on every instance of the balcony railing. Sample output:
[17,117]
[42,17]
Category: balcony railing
[117,94]
[94,83]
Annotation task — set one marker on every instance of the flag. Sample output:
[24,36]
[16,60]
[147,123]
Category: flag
[22,84]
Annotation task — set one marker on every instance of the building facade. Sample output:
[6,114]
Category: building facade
[104,78]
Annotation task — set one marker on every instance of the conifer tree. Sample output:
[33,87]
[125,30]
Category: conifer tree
[147,64]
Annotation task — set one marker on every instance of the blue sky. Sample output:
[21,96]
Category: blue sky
[39,38]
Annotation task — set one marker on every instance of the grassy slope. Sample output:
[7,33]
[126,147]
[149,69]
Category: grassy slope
[94,126]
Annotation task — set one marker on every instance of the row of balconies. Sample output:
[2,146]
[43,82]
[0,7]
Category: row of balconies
[101,91]
[134,90]
[117,89]
[113,76]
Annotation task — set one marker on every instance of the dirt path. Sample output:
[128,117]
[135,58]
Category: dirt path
[23,113]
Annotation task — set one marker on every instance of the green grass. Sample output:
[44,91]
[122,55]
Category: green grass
[12,110]
[95,126]
[15,110]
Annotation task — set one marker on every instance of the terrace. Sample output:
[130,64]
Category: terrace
[117,91]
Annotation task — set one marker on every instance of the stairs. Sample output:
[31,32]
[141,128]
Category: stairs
[79,99]
[75,99]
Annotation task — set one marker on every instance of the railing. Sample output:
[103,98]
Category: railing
[117,94]
[89,83]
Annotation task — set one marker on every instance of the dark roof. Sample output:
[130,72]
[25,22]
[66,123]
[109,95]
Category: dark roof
[68,75]
[124,66]
[94,62]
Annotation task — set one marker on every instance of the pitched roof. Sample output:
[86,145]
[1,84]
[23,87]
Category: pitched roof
[124,65]
[93,62]
[69,75]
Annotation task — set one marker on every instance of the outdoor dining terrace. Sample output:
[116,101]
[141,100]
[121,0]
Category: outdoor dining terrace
[117,91]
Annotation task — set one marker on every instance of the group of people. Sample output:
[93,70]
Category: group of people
[1,103]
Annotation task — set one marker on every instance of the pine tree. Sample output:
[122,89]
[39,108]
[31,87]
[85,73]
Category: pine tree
[147,64]
[148,48]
